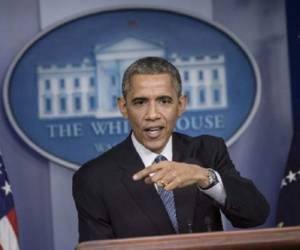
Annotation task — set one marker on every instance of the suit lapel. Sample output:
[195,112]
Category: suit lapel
[144,195]
[185,198]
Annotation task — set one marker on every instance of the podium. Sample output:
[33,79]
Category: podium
[273,239]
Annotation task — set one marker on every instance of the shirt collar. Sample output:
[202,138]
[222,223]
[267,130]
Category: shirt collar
[148,156]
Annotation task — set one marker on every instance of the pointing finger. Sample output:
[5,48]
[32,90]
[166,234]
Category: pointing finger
[146,172]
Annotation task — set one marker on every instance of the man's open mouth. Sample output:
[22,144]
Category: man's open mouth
[153,132]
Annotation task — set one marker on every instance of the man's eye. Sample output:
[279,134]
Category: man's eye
[165,100]
[138,102]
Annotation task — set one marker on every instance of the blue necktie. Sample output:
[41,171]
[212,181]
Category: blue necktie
[167,198]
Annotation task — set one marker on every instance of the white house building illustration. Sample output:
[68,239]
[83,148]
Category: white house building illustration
[92,88]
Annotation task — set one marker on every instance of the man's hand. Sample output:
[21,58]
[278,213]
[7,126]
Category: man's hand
[171,175]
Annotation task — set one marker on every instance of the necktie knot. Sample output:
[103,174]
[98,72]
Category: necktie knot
[160,158]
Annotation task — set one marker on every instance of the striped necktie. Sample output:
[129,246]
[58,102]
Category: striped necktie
[167,198]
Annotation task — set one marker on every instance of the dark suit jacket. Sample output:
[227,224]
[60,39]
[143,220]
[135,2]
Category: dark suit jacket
[111,205]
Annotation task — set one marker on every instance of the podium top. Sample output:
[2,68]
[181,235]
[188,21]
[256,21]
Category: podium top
[275,239]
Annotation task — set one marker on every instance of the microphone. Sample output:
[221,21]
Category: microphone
[208,223]
[190,226]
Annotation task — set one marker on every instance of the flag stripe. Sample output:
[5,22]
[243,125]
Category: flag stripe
[8,238]
[12,218]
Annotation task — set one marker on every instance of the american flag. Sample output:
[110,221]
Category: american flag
[288,211]
[8,219]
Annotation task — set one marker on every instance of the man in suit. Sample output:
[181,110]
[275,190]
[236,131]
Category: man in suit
[156,181]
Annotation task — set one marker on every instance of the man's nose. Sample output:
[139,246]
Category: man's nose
[152,112]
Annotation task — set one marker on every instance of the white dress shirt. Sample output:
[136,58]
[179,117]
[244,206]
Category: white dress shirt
[217,192]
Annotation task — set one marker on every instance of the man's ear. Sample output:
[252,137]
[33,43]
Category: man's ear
[123,107]
[182,100]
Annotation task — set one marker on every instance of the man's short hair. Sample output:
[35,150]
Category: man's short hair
[151,65]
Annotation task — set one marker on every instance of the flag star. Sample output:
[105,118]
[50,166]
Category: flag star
[291,177]
[6,188]
[283,183]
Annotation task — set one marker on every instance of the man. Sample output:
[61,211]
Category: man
[158,182]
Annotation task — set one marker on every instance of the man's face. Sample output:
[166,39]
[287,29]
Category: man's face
[152,107]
